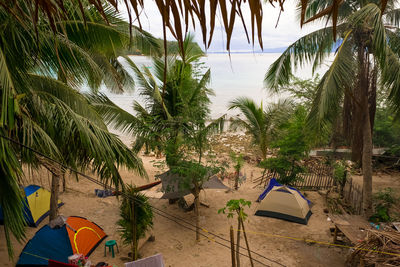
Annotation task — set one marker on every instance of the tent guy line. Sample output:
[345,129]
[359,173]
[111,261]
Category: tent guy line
[141,203]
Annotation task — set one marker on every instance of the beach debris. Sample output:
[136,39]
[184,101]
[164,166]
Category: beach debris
[380,248]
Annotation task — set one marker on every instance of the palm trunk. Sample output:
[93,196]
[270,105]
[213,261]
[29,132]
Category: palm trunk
[134,237]
[357,125]
[55,185]
[367,167]
[366,134]
[197,211]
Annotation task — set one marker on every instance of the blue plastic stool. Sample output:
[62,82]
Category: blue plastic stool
[110,244]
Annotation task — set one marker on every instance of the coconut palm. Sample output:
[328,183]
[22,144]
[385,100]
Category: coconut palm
[367,49]
[260,123]
[169,108]
[50,116]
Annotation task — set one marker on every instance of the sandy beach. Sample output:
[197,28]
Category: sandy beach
[280,241]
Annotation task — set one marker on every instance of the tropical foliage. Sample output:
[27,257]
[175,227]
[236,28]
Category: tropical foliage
[237,206]
[238,163]
[171,111]
[260,123]
[293,144]
[143,217]
[50,115]
[366,50]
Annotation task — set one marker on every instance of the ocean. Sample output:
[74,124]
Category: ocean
[241,74]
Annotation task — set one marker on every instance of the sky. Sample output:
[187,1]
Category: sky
[274,39]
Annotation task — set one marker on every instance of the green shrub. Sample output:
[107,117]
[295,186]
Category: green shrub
[143,211]
[383,201]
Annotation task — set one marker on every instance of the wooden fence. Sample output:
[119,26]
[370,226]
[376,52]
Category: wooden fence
[353,194]
[318,177]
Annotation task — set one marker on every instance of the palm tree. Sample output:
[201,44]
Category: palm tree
[259,123]
[169,108]
[49,115]
[367,49]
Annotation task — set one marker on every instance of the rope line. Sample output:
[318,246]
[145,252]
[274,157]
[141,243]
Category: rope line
[317,242]
[158,211]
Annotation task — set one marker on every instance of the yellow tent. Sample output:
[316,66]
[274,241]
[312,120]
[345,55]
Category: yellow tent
[284,203]
[36,204]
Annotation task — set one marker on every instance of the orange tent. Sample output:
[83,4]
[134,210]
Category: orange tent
[84,235]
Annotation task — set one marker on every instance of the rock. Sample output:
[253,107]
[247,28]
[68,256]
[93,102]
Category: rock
[151,238]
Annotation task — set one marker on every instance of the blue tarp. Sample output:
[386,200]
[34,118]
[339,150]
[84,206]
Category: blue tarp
[46,244]
[272,183]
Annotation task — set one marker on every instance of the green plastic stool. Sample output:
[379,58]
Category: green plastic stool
[110,244]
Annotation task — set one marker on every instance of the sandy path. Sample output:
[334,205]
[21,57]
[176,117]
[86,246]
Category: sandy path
[178,245]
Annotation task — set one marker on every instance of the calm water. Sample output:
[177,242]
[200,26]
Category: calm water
[239,75]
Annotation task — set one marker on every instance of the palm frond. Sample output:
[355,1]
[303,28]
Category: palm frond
[391,80]
[68,95]
[371,14]
[8,91]
[315,46]
[11,200]
[330,89]
[113,115]
[393,17]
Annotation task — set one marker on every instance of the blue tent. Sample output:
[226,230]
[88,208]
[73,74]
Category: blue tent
[272,183]
[77,236]
[46,244]
[36,205]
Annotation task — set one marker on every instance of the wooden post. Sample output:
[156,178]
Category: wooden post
[247,244]
[64,186]
[335,235]
[197,210]
[232,248]
[133,218]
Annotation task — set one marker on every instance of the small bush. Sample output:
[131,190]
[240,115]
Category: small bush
[143,211]
[383,201]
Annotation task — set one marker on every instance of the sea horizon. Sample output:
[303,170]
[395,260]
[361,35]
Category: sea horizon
[234,75]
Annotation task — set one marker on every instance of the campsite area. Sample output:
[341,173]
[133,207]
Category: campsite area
[278,240]
[178,245]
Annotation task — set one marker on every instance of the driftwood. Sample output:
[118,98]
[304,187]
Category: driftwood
[379,248]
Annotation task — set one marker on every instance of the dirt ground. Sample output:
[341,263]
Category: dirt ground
[280,241]
[178,245]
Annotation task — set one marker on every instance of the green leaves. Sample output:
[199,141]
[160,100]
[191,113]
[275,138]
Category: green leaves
[235,206]
[313,47]
[331,88]
[260,123]
[143,213]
